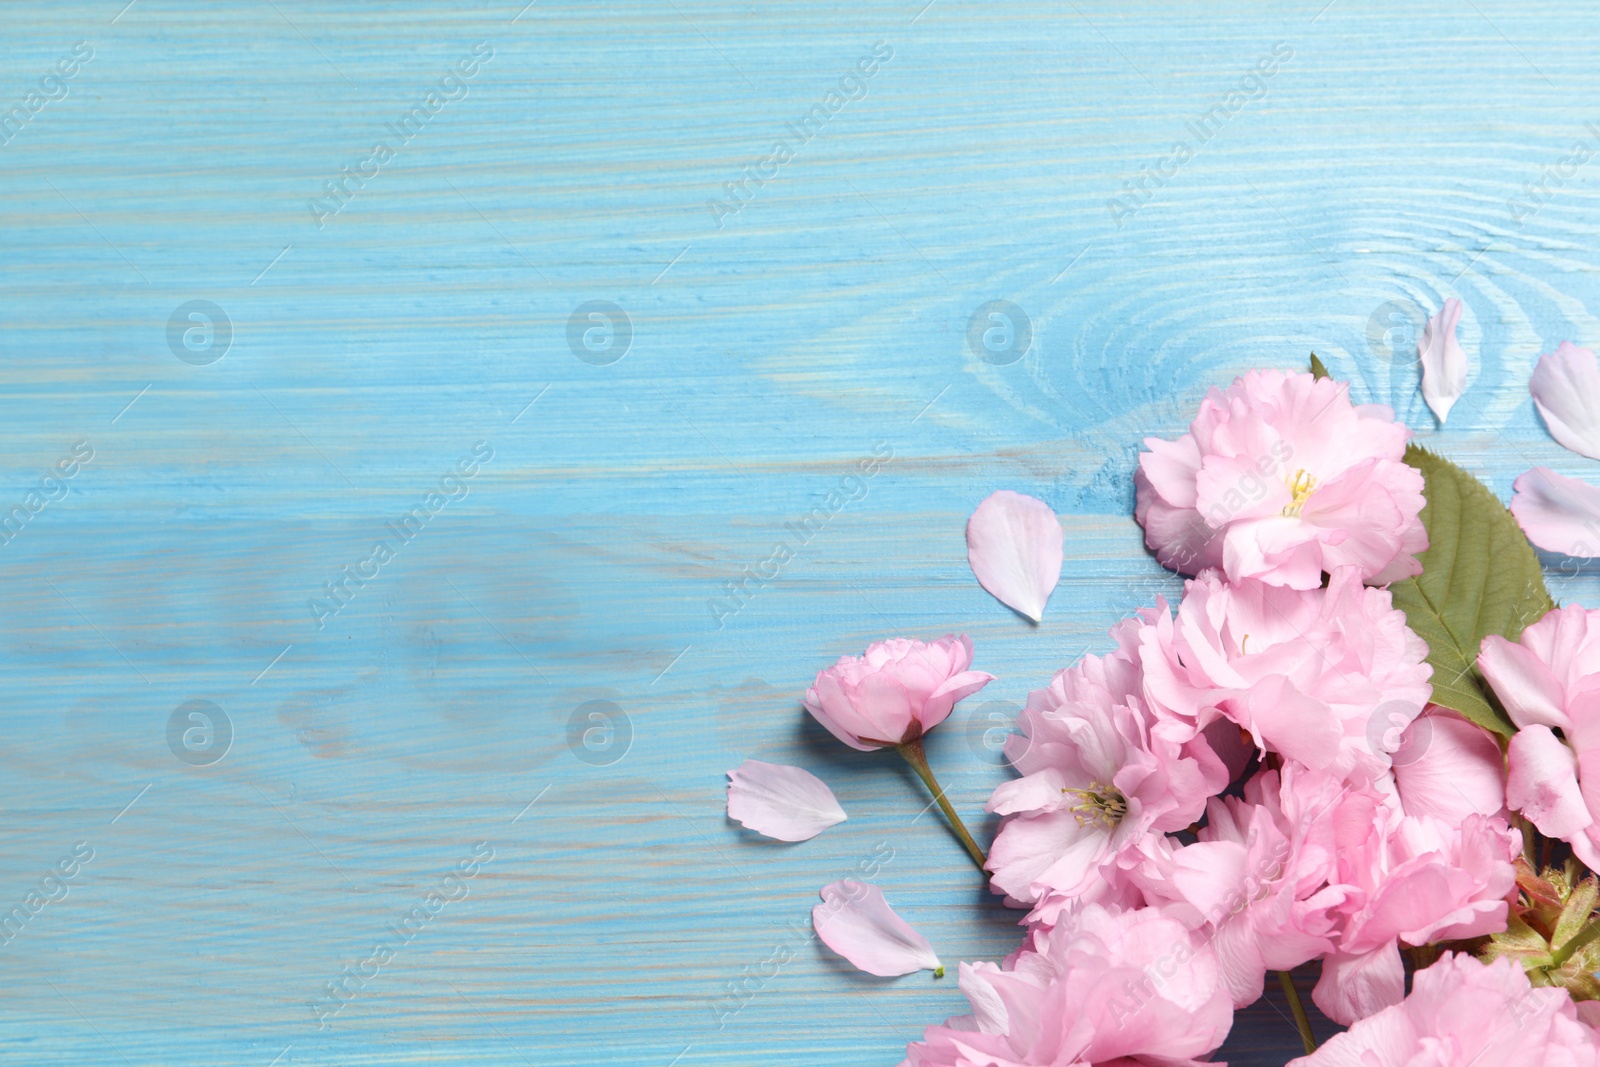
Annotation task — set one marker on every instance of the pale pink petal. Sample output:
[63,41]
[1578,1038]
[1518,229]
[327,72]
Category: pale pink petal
[943,699]
[1444,365]
[1559,514]
[1052,849]
[1355,986]
[856,922]
[1014,546]
[786,803]
[1566,390]
[1208,875]
[1299,726]
[1449,768]
[1543,783]
[988,1010]
[1525,685]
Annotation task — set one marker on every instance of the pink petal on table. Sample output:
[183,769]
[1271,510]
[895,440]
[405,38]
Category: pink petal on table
[786,803]
[1444,365]
[856,922]
[1558,513]
[1014,546]
[1566,390]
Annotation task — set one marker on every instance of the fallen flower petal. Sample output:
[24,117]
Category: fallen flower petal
[1566,390]
[1014,546]
[786,803]
[1559,514]
[1444,364]
[856,922]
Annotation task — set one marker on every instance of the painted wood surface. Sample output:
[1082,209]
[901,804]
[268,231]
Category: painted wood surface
[597,151]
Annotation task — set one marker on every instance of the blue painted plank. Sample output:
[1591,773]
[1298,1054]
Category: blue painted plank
[591,155]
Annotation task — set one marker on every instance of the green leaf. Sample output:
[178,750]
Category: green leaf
[1479,577]
[1319,370]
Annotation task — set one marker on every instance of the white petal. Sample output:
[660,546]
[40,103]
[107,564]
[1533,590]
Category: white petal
[856,922]
[1014,546]
[1444,365]
[1566,390]
[1558,514]
[787,803]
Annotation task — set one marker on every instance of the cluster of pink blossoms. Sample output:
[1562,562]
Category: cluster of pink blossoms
[1257,780]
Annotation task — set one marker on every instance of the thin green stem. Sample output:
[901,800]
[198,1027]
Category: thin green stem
[1526,828]
[1301,1019]
[913,754]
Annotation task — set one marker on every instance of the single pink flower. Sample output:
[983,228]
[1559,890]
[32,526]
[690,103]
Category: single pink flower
[1549,682]
[1281,478]
[1318,675]
[1463,1013]
[1095,784]
[1102,989]
[897,692]
[1412,880]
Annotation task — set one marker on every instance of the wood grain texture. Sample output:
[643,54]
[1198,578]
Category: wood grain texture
[770,353]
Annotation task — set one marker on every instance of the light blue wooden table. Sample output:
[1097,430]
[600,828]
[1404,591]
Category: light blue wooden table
[769,319]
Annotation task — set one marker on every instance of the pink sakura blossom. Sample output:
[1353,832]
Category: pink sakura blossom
[1548,681]
[1258,880]
[1463,1013]
[897,692]
[1102,989]
[1410,880]
[1281,478]
[1095,783]
[1318,675]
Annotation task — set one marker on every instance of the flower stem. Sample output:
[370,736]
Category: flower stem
[913,754]
[1301,1019]
[1526,828]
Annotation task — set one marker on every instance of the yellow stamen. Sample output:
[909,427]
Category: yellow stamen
[1301,486]
[1101,805]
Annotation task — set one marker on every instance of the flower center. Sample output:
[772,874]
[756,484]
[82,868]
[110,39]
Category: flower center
[1301,486]
[1099,805]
